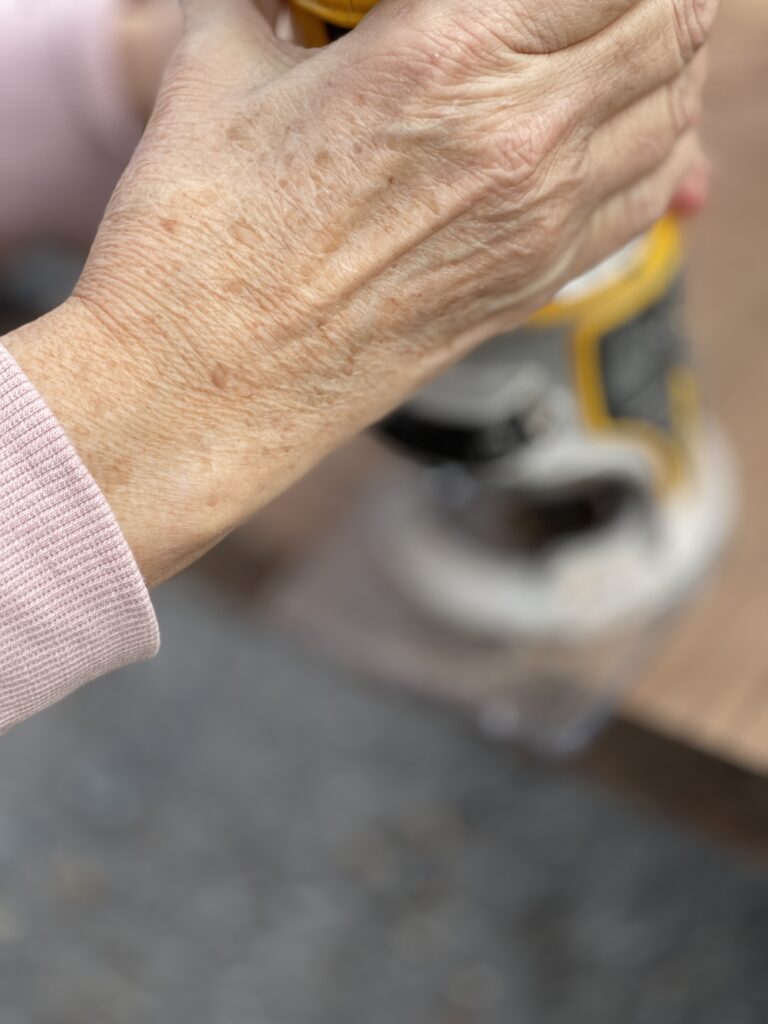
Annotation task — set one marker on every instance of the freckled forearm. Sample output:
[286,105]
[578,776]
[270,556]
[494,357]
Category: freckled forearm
[182,457]
[156,457]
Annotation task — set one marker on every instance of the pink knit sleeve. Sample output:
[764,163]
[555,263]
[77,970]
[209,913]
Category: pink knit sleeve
[73,604]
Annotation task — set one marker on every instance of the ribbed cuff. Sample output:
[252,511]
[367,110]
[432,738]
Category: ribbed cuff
[73,604]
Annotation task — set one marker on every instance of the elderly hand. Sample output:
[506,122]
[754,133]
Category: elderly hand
[304,237]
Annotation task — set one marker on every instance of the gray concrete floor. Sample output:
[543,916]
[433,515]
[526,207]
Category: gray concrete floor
[234,835]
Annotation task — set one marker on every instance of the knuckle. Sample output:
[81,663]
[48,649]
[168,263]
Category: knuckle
[549,227]
[693,22]
[452,47]
[473,41]
[683,104]
[541,31]
[521,149]
[645,206]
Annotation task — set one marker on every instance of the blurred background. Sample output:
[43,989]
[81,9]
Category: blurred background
[247,832]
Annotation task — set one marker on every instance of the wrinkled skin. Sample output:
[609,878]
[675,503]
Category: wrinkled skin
[304,237]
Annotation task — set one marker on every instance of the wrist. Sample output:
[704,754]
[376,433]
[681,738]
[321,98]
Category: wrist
[153,450]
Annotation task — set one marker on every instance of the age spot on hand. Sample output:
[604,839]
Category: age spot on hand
[242,232]
[235,133]
[219,376]
[235,286]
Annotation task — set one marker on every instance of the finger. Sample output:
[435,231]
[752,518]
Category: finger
[238,13]
[647,48]
[551,25]
[241,32]
[628,214]
[640,138]
[539,27]
[693,195]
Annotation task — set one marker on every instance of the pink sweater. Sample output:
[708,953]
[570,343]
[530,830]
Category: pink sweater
[73,604]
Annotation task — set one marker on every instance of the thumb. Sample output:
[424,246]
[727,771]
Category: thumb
[206,13]
[239,32]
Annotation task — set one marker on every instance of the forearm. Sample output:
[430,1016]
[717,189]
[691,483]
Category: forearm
[180,461]
[156,468]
